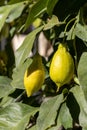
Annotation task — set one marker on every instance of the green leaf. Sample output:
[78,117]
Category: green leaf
[40,8]
[37,9]
[32,128]
[6,100]
[51,23]
[81,32]
[73,107]
[5,10]
[5,86]
[63,119]
[79,96]
[23,51]
[16,12]
[65,116]
[17,1]
[51,5]
[48,112]
[71,34]
[16,116]
[18,74]
[82,73]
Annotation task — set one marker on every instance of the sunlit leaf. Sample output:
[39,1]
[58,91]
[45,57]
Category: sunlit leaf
[16,12]
[37,9]
[23,51]
[48,112]
[5,10]
[81,32]
[6,100]
[63,118]
[71,34]
[16,116]
[80,98]
[18,75]
[40,8]
[51,23]
[82,73]
[5,86]
[32,128]
[17,1]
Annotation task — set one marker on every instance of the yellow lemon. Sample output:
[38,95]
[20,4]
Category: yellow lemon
[62,66]
[34,75]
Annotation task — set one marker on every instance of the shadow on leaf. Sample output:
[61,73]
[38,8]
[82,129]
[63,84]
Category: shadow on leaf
[73,107]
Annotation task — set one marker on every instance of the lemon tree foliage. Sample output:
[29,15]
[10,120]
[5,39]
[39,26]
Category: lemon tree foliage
[43,81]
[82,73]
[21,54]
[16,116]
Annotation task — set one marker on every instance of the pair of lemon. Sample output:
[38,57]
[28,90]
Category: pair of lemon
[61,70]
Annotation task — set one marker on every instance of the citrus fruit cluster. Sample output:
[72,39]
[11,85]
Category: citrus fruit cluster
[61,70]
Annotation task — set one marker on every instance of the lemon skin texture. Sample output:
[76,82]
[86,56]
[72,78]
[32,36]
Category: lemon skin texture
[62,66]
[34,76]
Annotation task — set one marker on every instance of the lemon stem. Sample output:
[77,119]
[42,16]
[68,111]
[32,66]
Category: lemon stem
[75,52]
[57,89]
[58,86]
[19,98]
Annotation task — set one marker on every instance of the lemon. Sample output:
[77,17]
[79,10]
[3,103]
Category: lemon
[62,66]
[34,75]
